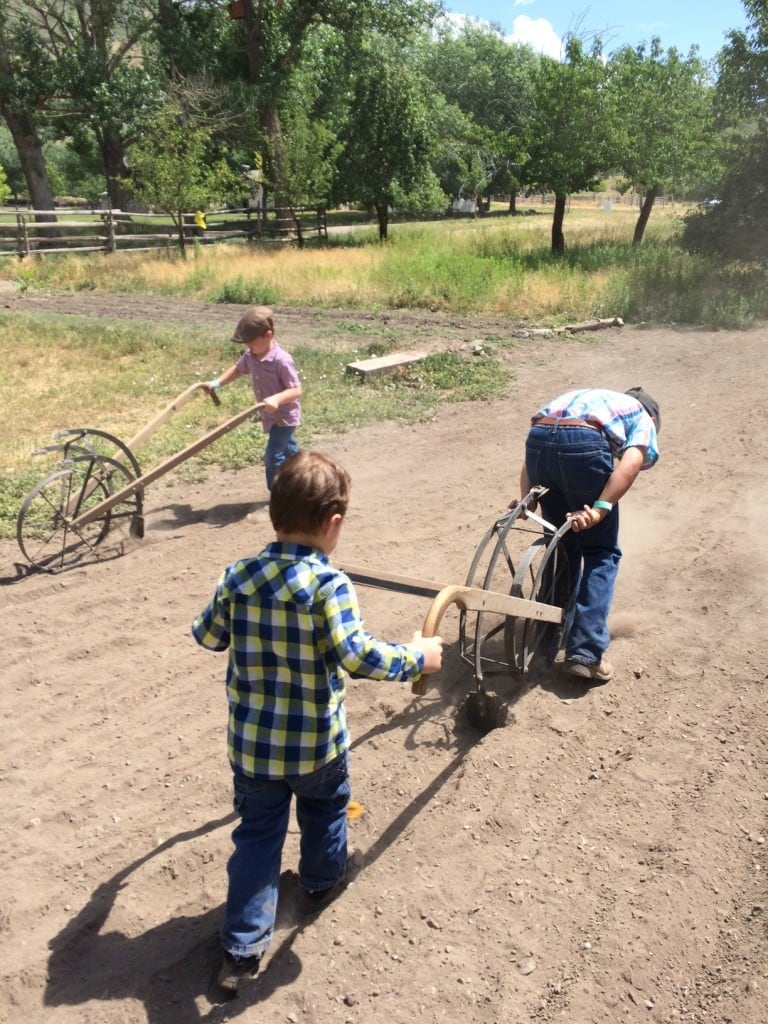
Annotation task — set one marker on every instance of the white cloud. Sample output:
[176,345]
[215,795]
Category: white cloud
[534,32]
[538,34]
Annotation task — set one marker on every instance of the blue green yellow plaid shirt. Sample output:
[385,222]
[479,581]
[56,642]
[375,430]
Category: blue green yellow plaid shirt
[292,627]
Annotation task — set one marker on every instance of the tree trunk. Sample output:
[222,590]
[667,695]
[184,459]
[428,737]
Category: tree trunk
[297,228]
[382,215]
[269,119]
[21,125]
[558,238]
[257,44]
[512,202]
[645,212]
[112,151]
[30,151]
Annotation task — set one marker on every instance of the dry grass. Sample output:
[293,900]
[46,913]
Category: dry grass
[424,264]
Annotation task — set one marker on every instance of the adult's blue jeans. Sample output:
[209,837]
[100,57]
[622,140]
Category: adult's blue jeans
[281,444]
[254,867]
[574,463]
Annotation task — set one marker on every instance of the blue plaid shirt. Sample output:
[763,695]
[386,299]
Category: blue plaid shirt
[623,419]
[292,626]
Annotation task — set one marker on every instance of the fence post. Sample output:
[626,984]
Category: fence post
[21,236]
[110,224]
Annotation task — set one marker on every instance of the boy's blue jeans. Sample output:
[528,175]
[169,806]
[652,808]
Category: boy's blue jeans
[281,444]
[254,867]
[574,463]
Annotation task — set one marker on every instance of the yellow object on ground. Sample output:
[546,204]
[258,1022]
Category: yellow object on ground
[354,810]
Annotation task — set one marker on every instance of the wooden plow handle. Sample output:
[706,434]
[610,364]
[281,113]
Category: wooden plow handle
[478,600]
[162,418]
[165,467]
[446,597]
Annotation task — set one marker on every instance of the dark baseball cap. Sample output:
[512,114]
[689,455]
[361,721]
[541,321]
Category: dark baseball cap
[254,323]
[649,403]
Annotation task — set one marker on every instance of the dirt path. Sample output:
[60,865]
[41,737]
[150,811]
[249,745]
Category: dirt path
[599,858]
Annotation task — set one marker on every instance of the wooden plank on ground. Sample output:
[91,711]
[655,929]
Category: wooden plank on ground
[380,365]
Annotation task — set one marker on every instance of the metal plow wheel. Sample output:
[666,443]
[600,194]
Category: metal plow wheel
[511,605]
[520,554]
[97,482]
[542,575]
[51,529]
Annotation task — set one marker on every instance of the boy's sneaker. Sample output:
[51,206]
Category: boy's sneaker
[599,673]
[314,902]
[235,969]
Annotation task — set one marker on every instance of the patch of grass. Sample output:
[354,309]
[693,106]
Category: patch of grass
[664,284]
[494,265]
[249,293]
[355,327]
[463,378]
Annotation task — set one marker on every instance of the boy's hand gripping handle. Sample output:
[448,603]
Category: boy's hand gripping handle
[446,597]
[478,600]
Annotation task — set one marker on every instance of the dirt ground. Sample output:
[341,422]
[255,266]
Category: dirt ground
[600,857]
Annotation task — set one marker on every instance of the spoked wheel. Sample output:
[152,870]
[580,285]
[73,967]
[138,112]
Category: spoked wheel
[492,568]
[48,531]
[542,575]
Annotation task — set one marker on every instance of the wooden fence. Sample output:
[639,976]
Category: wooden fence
[25,232]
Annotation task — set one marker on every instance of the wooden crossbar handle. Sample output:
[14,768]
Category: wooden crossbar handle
[478,600]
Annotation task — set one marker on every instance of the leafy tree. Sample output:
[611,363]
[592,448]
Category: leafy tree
[387,137]
[491,82]
[275,34]
[309,149]
[573,145]
[170,172]
[74,166]
[309,153]
[662,110]
[189,36]
[735,227]
[103,85]
[83,67]
[25,86]
[9,160]
[309,112]
[742,83]
[457,150]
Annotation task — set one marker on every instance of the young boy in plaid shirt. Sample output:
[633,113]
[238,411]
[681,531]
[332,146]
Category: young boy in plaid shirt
[291,625]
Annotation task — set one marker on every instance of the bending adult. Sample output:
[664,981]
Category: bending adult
[588,447]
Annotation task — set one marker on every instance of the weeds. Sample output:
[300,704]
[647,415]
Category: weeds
[246,292]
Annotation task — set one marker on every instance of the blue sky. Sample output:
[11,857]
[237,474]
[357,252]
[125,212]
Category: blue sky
[678,23]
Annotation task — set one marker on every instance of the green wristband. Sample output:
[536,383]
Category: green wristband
[607,505]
